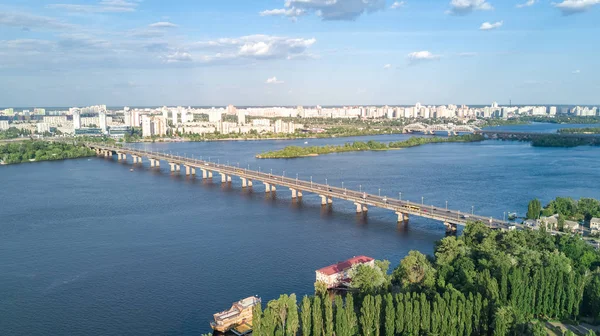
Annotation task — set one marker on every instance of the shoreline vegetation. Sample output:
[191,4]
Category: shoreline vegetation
[36,151]
[290,152]
[485,282]
[584,130]
[556,140]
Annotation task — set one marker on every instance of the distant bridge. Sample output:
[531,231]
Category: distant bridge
[362,200]
[451,129]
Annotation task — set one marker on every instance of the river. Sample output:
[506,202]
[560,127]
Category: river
[88,247]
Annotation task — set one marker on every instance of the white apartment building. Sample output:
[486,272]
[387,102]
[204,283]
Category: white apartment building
[4,125]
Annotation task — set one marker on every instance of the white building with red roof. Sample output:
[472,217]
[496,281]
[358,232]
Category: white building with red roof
[337,274]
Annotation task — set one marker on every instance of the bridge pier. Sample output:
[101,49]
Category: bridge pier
[402,217]
[187,170]
[296,193]
[360,208]
[174,166]
[193,171]
[136,159]
[246,182]
[325,200]
[249,183]
[152,162]
[204,175]
[267,187]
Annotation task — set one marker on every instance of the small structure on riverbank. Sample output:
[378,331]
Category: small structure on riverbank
[238,318]
[337,275]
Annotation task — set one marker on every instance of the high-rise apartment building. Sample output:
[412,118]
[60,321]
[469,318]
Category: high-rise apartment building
[102,120]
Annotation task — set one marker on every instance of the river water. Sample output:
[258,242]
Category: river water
[88,247]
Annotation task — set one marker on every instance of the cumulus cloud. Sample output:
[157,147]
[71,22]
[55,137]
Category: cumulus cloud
[529,3]
[387,66]
[419,56]
[491,26]
[104,6]
[273,80]
[29,21]
[257,47]
[569,7]
[328,9]
[178,57]
[398,4]
[463,7]
[163,24]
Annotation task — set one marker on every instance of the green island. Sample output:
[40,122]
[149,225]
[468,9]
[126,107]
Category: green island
[34,151]
[297,151]
[556,140]
[485,282]
[584,130]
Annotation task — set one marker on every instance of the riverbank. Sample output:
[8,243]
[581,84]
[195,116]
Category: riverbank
[298,152]
[586,130]
[35,151]
[556,140]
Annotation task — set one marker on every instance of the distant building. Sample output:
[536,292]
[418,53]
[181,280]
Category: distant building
[337,274]
[119,131]
[550,223]
[43,127]
[153,126]
[76,118]
[214,116]
[102,120]
[4,125]
[571,226]
[595,225]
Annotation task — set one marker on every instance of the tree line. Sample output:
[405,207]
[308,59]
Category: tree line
[30,151]
[566,207]
[297,151]
[485,282]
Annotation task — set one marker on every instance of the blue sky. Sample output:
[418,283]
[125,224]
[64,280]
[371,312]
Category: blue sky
[298,52]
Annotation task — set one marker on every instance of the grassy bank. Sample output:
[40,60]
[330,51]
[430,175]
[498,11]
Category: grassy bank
[555,140]
[296,151]
[34,151]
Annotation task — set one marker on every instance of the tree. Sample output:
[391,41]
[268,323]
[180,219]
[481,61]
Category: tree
[351,318]
[534,209]
[320,288]
[317,317]
[370,279]
[257,319]
[368,316]
[503,321]
[341,322]
[305,315]
[390,315]
[415,272]
[292,316]
[328,316]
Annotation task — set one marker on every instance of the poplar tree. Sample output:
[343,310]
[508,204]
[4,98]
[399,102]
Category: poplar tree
[377,318]
[293,323]
[351,318]
[305,315]
[317,317]
[328,316]
[367,316]
[341,324]
[399,313]
[390,315]
[257,319]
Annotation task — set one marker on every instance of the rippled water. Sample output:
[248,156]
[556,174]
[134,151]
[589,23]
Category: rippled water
[88,247]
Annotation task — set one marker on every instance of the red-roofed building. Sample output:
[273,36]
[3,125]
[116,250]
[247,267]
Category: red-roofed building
[337,274]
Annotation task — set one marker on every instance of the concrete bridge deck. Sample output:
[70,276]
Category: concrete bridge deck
[362,200]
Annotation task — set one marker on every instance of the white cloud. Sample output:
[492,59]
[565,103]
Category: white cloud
[467,54]
[104,6]
[163,24]
[328,9]
[418,56]
[529,3]
[491,26]
[398,4]
[273,80]
[178,57]
[30,21]
[577,71]
[463,7]
[258,47]
[387,66]
[569,7]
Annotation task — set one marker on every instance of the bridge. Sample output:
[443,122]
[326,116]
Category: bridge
[451,129]
[297,187]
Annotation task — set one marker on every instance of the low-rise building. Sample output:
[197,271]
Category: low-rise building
[337,274]
[570,226]
[550,223]
[595,225]
[4,125]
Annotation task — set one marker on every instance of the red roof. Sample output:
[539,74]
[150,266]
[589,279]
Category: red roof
[344,265]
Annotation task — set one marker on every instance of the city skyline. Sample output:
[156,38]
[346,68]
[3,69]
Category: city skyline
[269,53]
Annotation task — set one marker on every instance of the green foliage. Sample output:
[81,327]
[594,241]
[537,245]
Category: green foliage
[580,130]
[367,279]
[305,315]
[329,324]
[534,209]
[317,317]
[320,288]
[13,133]
[296,151]
[556,140]
[30,151]
[415,272]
